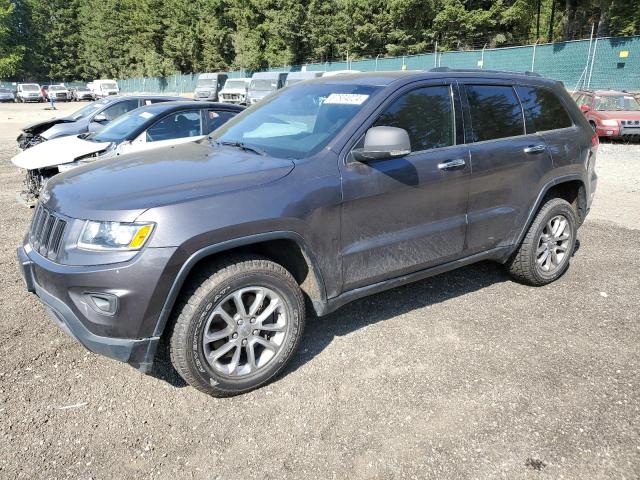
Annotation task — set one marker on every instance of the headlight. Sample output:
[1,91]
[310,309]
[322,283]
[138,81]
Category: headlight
[112,236]
[609,123]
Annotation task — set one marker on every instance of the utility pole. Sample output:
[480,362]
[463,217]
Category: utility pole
[538,22]
[553,13]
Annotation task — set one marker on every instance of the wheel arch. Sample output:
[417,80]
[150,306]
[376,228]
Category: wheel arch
[568,187]
[286,248]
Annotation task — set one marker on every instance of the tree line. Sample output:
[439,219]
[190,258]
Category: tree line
[86,39]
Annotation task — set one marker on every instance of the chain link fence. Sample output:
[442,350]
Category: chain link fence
[612,62]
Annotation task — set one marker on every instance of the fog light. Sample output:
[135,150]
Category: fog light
[103,303]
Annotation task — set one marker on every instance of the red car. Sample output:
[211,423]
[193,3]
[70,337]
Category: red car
[611,113]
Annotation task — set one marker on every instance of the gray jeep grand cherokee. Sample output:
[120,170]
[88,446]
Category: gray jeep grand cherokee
[327,191]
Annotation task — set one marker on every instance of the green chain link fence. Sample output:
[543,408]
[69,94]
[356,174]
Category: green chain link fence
[599,63]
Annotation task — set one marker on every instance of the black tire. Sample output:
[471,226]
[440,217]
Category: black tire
[207,291]
[523,265]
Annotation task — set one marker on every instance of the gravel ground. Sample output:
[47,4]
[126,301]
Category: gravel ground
[465,375]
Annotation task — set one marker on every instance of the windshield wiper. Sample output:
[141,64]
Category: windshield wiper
[243,146]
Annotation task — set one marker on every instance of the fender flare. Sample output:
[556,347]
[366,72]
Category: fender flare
[198,255]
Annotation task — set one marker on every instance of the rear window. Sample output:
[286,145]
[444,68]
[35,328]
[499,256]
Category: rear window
[543,110]
[495,112]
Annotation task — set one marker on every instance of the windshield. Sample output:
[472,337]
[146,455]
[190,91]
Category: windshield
[109,86]
[297,122]
[89,109]
[30,88]
[5,90]
[235,84]
[54,88]
[264,85]
[617,102]
[206,82]
[119,129]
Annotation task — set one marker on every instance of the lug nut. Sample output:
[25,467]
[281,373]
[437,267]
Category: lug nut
[253,319]
[240,322]
[244,341]
[235,335]
[255,332]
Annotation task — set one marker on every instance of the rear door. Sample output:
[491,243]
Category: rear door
[508,164]
[405,214]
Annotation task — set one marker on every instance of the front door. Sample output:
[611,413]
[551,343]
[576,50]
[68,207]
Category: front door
[405,214]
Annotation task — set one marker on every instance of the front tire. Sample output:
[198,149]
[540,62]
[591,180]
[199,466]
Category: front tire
[237,325]
[544,254]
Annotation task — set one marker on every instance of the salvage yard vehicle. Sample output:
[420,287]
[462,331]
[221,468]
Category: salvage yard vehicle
[6,95]
[28,92]
[81,93]
[208,85]
[611,113]
[263,84]
[58,92]
[103,88]
[295,77]
[235,91]
[88,119]
[327,191]
[145,128]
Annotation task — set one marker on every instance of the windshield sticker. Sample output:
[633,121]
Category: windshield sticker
[146,115]
[346,99]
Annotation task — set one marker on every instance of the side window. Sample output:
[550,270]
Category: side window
[114,111]
[495,112]
[543,110]
[176,125]
[217,118]
[426,114]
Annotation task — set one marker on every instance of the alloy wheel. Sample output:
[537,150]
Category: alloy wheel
[554,243]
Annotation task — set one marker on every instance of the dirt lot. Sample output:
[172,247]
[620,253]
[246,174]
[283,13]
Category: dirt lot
[465,375]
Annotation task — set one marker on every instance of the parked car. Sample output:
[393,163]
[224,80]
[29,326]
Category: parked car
[6,95]
[208,85]
[611,113]
[235,91]
[295,77]
[58,92]
[145,128]
[29,92]
[263,84]
[103,88]
[81,93]
[90,118]
[331,190]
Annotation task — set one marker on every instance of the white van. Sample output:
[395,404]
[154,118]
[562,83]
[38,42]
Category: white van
[28,92]
[235,91]
[264,83]
[103,88]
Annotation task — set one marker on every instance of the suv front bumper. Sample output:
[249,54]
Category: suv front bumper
[60,288]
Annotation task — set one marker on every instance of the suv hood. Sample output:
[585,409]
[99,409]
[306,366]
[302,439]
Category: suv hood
[66,128]
[121,188]
[618,115]
[56,152]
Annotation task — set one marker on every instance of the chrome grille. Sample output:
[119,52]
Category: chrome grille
[47,230]
[630,122]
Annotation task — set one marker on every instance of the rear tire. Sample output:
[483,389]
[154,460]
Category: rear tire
[237,325]
[544,254]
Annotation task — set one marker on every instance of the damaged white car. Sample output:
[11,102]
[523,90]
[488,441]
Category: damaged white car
[152,126]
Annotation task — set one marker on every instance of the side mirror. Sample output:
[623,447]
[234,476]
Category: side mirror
[100,118]
[585,108]
[383,142]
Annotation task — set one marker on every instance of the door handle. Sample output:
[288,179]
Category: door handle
[451,164]
[534,149]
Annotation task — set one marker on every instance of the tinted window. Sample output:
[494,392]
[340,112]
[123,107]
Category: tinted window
[114,111]
[495,112]
[543,109]
[176,125]
[217,118]
[426,114]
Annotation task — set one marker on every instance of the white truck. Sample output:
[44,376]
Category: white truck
[28,92]
[235,91]
[103,88]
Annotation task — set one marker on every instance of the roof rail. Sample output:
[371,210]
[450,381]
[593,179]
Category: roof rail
[481,70]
